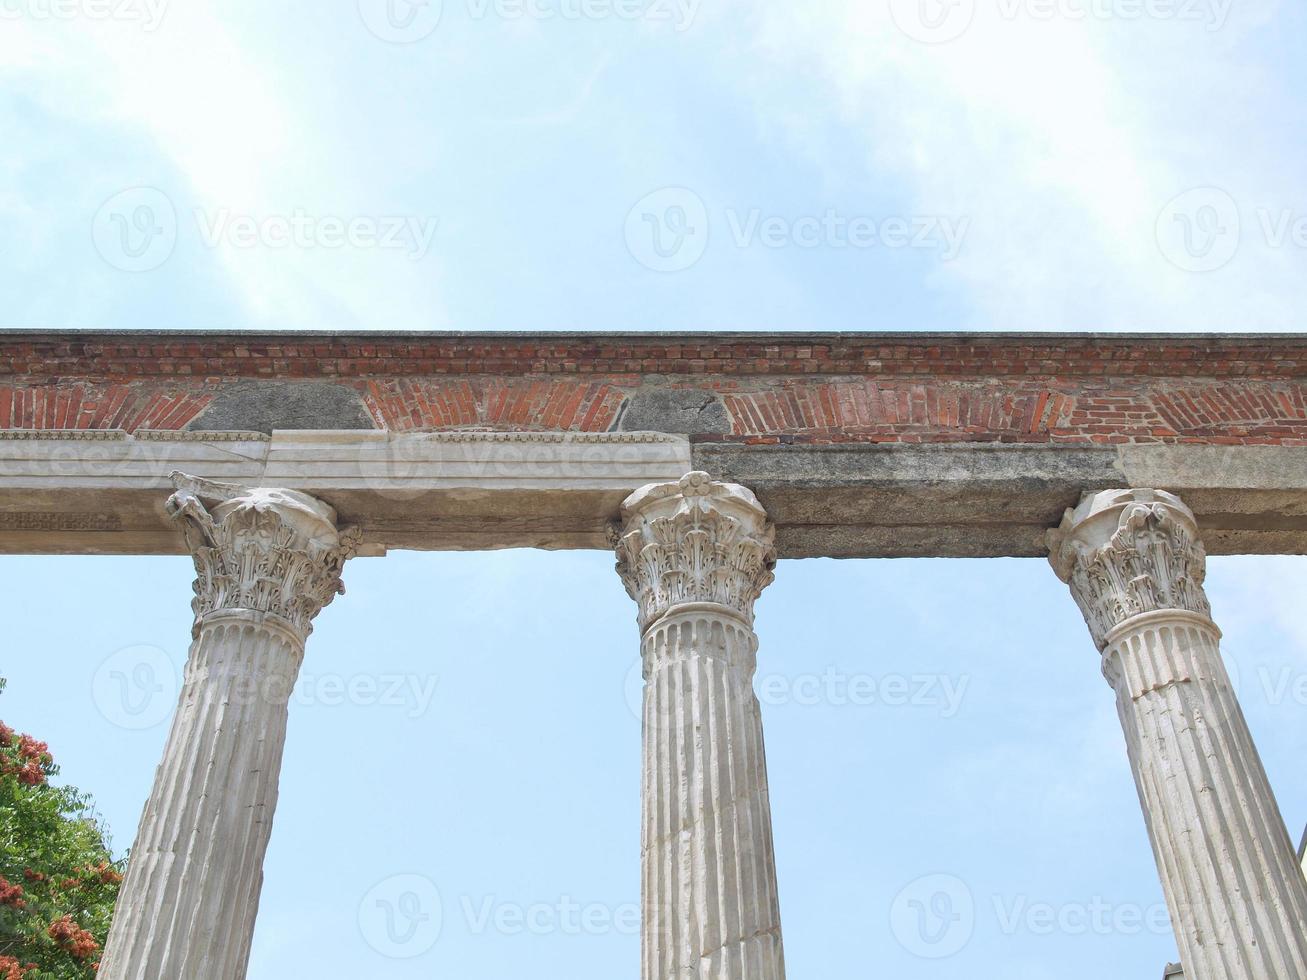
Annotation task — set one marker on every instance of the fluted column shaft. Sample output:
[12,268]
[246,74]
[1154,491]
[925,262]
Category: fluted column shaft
[266,562]
[1237,898]
[695,555]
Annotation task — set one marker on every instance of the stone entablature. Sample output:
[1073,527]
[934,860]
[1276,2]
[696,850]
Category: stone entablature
[97,491]
[1053,389]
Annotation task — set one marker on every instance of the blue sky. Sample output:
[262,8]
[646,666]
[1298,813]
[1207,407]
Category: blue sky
[923,718]
[1057,140]
[1107,165]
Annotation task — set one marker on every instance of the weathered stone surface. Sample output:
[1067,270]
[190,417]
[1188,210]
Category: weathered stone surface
[987,501]
[98,492]
[695,555]
[681,410]
[1237,897]
[267,552]
[263,406]
[266,562]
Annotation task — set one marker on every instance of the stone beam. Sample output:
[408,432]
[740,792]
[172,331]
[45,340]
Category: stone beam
[103,491]
[984,501]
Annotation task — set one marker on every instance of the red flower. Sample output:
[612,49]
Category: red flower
[107,874]
[6,737]
[30,748]
[73,938]
[11,894]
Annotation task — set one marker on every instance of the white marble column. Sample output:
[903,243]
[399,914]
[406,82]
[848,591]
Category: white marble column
[695,555]
[266,562]
[1237,899]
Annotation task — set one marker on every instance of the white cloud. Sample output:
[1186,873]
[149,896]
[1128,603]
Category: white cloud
[213,100]
[1060,138]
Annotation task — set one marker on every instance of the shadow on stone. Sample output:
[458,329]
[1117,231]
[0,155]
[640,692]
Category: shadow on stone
[258,406]
[681,411]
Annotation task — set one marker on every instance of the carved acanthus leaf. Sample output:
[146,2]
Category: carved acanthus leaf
[694,541]
[1152,559]
[269,551]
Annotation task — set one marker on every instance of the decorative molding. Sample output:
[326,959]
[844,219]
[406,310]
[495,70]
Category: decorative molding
[484,435]
[120,435]
[267,551]
[460,435]
[48,521]
[694,541]
[1126,553]
[187,435]
[78,435]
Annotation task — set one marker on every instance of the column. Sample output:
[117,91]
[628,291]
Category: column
[266,562]
[1237,899]
[695,555]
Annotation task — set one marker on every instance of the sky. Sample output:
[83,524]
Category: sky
[463,729]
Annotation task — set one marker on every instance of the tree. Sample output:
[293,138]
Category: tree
[58,880]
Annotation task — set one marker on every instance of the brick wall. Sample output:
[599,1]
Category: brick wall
[762,389]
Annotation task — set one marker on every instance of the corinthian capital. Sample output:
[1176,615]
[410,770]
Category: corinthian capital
[1129,552]
[694,541]
[261,550]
